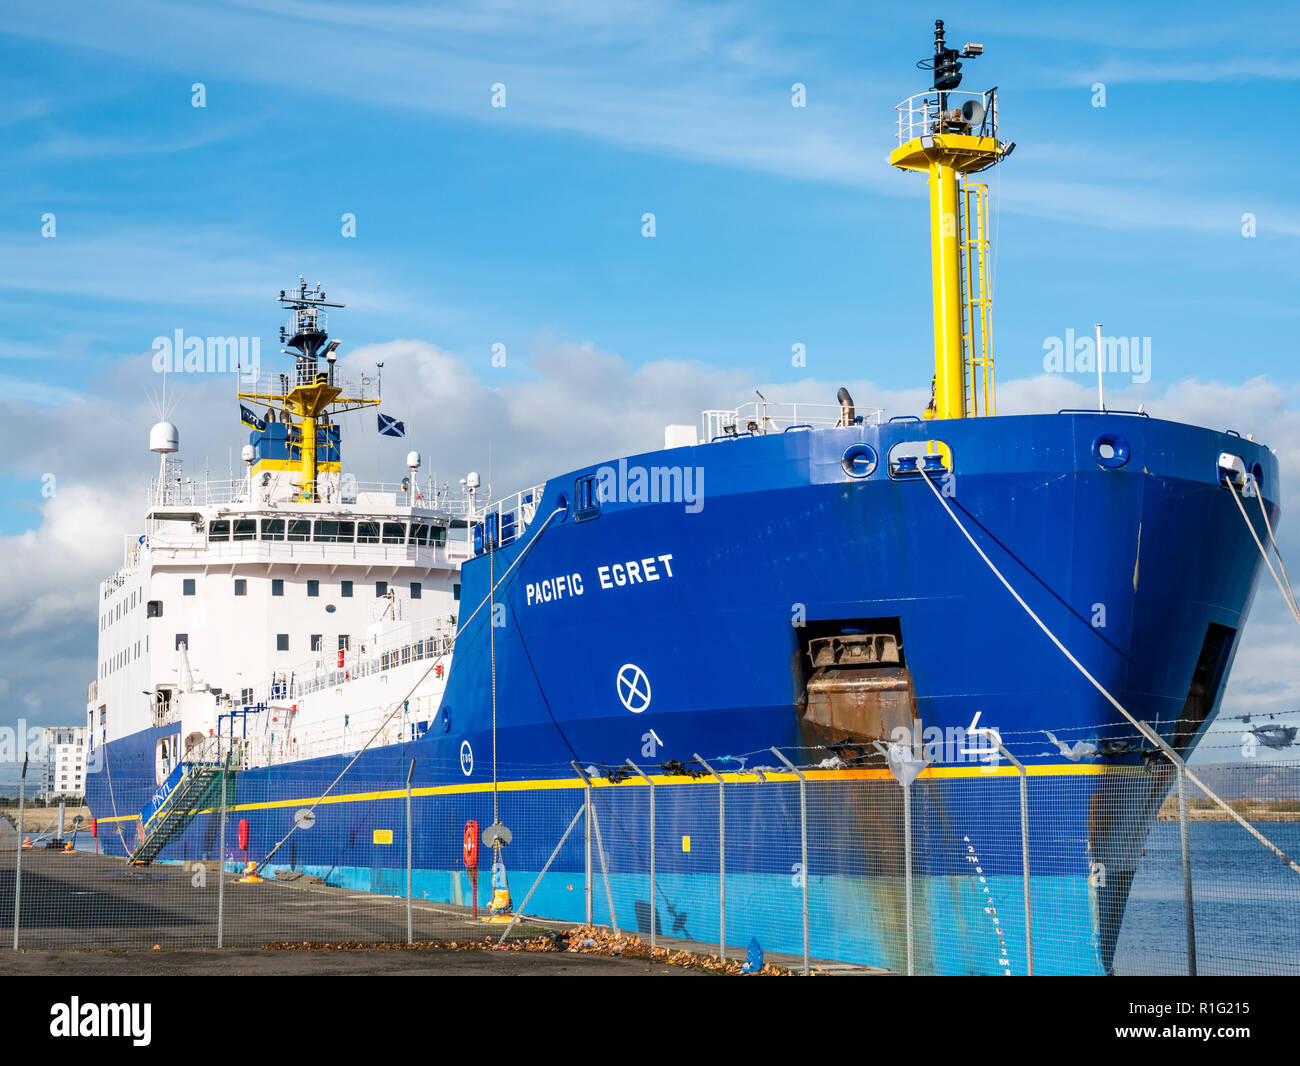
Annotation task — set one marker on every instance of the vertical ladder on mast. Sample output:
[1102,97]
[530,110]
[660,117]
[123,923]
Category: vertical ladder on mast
[977,300]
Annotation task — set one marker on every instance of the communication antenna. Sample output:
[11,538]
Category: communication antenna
[948,135]
[1101,399]
[312,395]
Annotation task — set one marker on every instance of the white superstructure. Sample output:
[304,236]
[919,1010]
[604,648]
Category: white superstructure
[290,610]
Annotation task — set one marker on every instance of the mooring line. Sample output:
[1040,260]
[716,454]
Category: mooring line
[491,593]
[1141,727]
[1285,590]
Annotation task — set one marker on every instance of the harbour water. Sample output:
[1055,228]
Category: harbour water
[1247,909]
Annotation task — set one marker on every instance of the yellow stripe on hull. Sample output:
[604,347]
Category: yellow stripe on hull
[935,773]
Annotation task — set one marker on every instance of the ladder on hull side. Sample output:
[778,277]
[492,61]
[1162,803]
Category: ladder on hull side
[198,787]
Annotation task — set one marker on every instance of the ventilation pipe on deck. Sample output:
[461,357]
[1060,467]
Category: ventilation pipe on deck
[847,414]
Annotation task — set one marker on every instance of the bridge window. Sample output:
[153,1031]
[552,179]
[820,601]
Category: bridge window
[245,529]
[394,533]
[367,532]
[299,530]
[273,529]
[219,530]
[419,534]
[347,531]
[327,531]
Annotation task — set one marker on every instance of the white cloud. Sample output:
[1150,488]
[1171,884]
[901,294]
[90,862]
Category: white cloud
[565,405]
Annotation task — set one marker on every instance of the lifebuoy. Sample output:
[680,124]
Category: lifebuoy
[471,845]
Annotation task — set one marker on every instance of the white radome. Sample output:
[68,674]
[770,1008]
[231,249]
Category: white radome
[164,438]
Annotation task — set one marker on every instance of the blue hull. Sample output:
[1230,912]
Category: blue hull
[787,544]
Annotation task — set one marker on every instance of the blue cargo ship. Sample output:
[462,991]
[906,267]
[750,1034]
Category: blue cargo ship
[792,577]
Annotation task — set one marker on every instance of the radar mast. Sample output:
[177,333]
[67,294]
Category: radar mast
[310,394]
[946,135]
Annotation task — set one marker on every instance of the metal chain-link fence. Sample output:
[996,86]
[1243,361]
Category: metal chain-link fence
[989,860]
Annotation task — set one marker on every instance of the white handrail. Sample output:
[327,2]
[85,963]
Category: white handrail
[918,115]
[758,418]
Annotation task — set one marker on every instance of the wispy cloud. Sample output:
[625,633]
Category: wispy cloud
[708,84]
[77,146]
[36,393]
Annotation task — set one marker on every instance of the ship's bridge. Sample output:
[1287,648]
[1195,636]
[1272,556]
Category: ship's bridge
[308,533]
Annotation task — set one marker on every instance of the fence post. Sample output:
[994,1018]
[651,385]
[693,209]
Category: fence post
[221,858]
[410,930]
[586,839]
[586,843]
[654,896]
[905,780]
[907,858]
[722,859]
[803,846]
[1024,845]
[18,867]
[600,846]
[1189,917]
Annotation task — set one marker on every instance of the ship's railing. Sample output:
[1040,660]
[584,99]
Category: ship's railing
[759,417]
[309,319]
[208,493]
[292,741]
[928,113]
[280,385]
[513,514]
[411,642]
[345,733]
[414,650]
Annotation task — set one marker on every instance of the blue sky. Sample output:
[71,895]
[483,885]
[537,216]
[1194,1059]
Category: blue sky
[478,225]
[522,225]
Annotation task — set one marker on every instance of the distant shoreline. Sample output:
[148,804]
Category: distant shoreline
[44,819]
[1251,810]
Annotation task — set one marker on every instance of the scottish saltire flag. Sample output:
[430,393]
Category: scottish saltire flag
[249,418]
[390,427]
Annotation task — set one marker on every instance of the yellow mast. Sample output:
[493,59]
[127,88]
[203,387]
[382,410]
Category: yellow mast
[311,394]
[946,139]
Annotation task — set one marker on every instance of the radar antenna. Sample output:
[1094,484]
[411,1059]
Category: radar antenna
[311,394]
